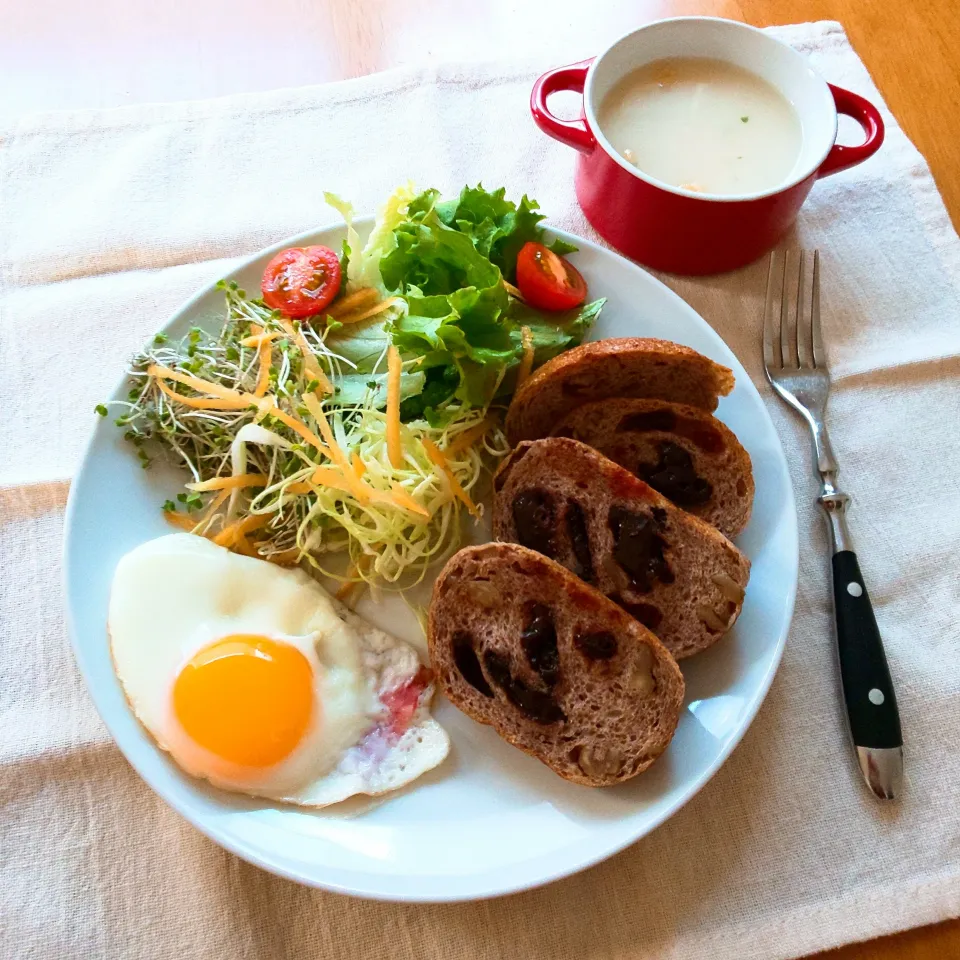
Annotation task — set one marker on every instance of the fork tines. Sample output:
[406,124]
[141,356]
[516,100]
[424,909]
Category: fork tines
[791,317]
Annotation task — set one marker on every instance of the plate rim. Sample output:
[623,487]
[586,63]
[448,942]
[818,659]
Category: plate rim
[604,850]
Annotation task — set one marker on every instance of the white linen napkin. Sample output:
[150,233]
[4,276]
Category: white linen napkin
[108,220]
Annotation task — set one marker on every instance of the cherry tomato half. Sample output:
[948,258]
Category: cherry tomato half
[548,281]
[301,281]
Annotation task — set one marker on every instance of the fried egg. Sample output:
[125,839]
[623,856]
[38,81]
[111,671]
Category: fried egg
[252,677]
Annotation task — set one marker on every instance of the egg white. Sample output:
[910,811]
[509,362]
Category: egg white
[173,596]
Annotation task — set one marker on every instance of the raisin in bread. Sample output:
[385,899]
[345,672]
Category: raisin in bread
[617,367]
[676,574]
[559,671]
[686,454]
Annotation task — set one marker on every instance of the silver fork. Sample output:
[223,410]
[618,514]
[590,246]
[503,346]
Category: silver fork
[796,366]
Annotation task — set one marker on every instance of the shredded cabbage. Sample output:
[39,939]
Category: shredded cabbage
[386,543]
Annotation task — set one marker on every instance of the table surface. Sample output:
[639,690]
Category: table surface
[60,55]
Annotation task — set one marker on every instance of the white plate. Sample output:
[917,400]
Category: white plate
[490,820]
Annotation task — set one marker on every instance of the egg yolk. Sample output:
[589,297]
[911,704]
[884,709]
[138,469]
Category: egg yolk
[246,699]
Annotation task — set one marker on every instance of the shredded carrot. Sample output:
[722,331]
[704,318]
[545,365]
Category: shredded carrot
[229,483]
[526,362]
[263,374]
[213,507]
[359,467]
[344,591]
[439,460]
[297,426]
[203,403]
[324,476]
[188,522]
[513,291]
[394,448]
[309,358]
[351,596]
[286,558]
[181,520]
[349,583]
[470,436]
[403,499]
[202,386]
[349,591]
[227,537]
[336,480]
[369,312]
[336,454]
[357,300]
[327,477]
[245,547]
[258,337]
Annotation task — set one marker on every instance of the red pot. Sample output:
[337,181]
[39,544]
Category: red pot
[677,230]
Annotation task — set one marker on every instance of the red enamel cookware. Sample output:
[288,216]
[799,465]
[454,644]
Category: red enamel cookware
[674,229]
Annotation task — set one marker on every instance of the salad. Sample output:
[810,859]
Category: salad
[345,416]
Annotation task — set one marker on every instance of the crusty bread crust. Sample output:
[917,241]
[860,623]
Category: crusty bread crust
[617,367]
[636,434]
[678,575]
[607,693]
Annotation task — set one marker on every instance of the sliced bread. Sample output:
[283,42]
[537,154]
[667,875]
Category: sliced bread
[521,644]
[676,574]
[685,453]
[616,367]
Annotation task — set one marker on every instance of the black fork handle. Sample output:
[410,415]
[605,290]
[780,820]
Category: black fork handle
[867,688]
[868,693]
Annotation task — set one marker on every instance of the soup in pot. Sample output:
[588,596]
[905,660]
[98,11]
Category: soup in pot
[703,125]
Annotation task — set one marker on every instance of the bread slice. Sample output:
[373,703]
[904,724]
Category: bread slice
[559,671]
[617,367]
[686,454]
[676,574]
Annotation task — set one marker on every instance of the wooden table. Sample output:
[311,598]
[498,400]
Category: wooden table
[57,55]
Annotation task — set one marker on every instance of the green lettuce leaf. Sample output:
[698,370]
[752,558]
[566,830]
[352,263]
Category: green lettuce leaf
[440,384]
[498,227]
[456,301]
[447,260]
[550,334]
[466,330]
[371,388]
[361,343]
[435,259]
[560,246]
[363,264]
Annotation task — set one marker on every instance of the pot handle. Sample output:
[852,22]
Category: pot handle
[868,116]
[574,133]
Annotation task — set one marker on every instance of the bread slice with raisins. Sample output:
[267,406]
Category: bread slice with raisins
[684,453]
[676,574]
[617,367]
[520,643]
